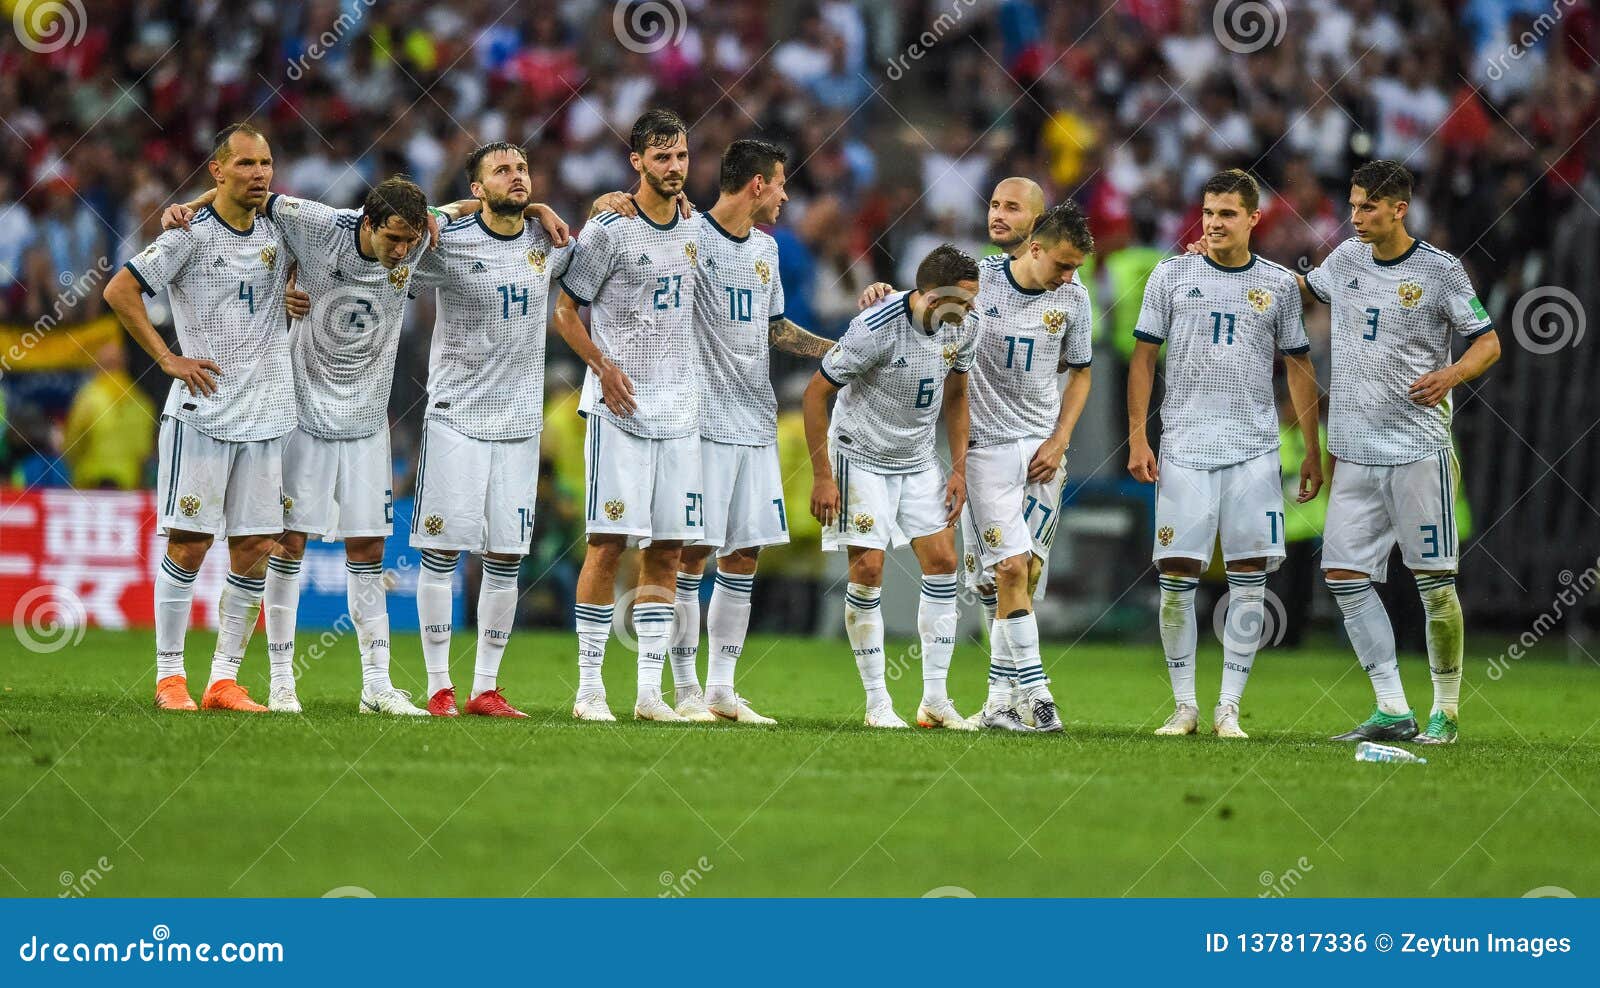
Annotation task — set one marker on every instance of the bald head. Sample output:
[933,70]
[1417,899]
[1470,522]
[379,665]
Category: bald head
[1013,209]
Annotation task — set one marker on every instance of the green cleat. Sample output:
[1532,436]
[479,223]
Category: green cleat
[1441,730]
[1382,727]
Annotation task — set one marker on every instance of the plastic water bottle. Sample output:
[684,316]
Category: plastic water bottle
[1366,751]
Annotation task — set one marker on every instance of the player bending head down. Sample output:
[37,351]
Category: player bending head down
[394,219]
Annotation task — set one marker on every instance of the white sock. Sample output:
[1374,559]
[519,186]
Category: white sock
[593,623]
[237,611]
[1178,635]
[1446,640]
[863,625]
[936,626]
[369,612]
[997,647]
[1241,633]
[174,599]
[685,633]
[282,601]
[435,610]
[1002,670]
[1022,642]
[1367,624]
[652,626]
[727,623]
[497,612]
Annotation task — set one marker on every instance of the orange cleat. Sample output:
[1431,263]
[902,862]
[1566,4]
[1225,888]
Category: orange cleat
[490,703]
[172,693]
[443,703]
[227,694]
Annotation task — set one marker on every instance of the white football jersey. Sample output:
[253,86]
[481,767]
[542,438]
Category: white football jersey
[486,366]
[638,280]
[1392,322]
[1024,336]
[1223,328]
[891,374]
[226,288]
[736,295]
[343,352]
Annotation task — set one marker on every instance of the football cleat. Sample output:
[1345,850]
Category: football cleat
[1024,709]
[393,701]
[942,713]
[592,706]
[733,707]
[1183,720]
[1046,719]
[442,703]
[1382,727]
[283,700]
[227,694]
[172,693]
[1441,729]
[490,703]
[1225,722]
[1002,719]
[692,706]
[883,715]
[653,707]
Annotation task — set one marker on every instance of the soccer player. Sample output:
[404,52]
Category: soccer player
[478,468]
[232,401]
[641,402]
[876,477]
[1396,303]
[1223,314]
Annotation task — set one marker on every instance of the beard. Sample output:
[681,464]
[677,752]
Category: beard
[662,187]
[505,205]
[1010,241]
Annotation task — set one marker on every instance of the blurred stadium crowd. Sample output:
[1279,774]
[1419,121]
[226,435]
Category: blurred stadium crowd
[900,116]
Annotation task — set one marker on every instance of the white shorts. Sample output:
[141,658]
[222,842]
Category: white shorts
[474,495]
[338,488]
[1370,508]
[1005,515]
[216,487]
[647,489]
[744,497]
[884,510]
[1243,503]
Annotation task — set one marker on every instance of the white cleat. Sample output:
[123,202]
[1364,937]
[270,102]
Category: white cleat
[393,701]
[1184,720]
[652,707]
[883,715]
[942,714]
[692,706]
[1022,705]
[733,707]
[592,706]
[1225,722]
[283,700]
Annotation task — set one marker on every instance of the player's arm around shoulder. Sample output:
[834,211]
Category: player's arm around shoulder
[790,337]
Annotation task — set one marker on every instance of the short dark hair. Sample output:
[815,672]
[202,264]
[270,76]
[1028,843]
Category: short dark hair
[396,196]
[475,159]
[1234,180]
[1383,179]
[1064,222]
[221,149]
[746,158]
[945,266]
[657,128]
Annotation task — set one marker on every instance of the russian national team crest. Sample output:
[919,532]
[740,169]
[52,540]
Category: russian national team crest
[1410,294]
[691,251]
[536,260]
[433,524]
[863,522]
[992,536]
[189,505]
[1054,321]
[972,562]
[269,257]
[288,503]
[398,277]
[614,509]
[763,271]
[1164,536]
[949,355]
[1259,298]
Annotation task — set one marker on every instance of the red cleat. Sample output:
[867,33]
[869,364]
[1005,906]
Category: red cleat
[443,703]
[490,703]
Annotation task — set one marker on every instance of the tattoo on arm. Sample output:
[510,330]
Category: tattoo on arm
[789,337]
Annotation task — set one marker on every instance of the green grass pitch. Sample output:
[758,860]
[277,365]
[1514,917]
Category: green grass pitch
[100,794]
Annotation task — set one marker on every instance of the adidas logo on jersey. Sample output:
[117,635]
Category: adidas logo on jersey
[644,259]
[711,263]
[898,362]
[1354,283]
[219,263]
[1195,292]
[993,311]
[479,266]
